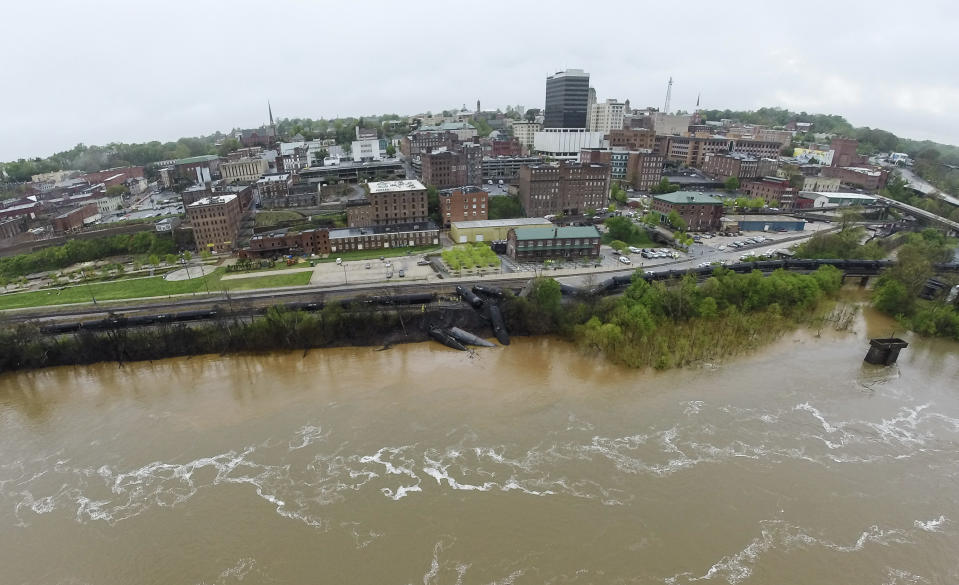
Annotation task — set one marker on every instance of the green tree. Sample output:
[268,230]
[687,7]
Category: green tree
[205,255]
[170,259]
[505,207]
[187,255]
[117,190]
[228,146]
[663,187]
[390,150]
[676,220]
[154,260]
[732,184]
[618,245]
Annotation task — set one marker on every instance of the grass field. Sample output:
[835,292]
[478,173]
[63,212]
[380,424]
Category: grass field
[147,287]
[270,218]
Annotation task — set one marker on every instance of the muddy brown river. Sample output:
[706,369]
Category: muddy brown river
[528,464]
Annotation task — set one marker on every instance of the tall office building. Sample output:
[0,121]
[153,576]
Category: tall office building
[567,97]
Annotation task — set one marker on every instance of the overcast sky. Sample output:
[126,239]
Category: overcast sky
[120,70]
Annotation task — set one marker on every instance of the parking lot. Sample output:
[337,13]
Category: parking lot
[370,271]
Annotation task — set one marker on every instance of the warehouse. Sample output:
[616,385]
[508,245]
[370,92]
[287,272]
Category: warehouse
[763,223]
[491,230]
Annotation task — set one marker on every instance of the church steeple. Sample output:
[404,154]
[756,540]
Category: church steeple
[272,125]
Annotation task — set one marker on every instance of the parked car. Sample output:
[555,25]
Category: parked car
[625,260]
[634,250]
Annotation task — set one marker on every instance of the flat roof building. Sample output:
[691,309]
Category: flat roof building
[492,230]
[701,212]
[553,242]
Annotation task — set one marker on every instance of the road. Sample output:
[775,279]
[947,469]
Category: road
[919,184]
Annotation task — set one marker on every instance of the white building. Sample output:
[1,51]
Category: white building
[565,143]
[366,150]
[245,170]
[524,132]
[606,116]
[838,199]
[671,124]
[107,205]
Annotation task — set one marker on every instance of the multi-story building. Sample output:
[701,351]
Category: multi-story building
[739,165]
[390,202]
[244,170]
[700,212]
[566,187]
[74,219]
[366,150]
[565,143]
[567,96]
[198,169]
[286,241]
[845,152]
[273,189]
[821,184]
[757,148]
[463,204]
[506,168]
[775,191]
[691,151]
[645,169]
[534,243]
[524,132]
[426,141]
[632,139]
[444,169]
[384,236]
[670,124]
[505,148]
[868,178]
[215,221]
[606,116]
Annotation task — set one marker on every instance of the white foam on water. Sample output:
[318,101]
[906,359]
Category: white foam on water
[692,407]
[780,535]
[931,525]
[509,579]
[400,492]
[240,570]
[902,577]
[306,436]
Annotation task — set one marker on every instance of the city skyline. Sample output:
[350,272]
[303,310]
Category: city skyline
[175,74]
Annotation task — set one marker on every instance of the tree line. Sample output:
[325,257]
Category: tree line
[86,250]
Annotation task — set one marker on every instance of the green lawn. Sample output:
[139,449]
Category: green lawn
[640,239]
[385,252]
[147,287]
[271,218]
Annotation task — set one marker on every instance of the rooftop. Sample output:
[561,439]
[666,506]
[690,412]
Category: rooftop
[762,217]
[862,196]
[393,186]
[488,223]
[214,200]
[274,178]
[552,233]
[396,228]
[196,159]
[689,197]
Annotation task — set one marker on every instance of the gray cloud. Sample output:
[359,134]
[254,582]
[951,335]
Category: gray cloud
[127,71]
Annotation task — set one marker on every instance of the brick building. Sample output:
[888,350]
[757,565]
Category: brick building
[287,241]
[568,188]
[74,219]
[384,236]
[644,169]
[505,148]
[739,165]
[757,148]
[845,152]
[215,221]
[390,202]
[126,173]
[552,242]
[691,151]
[775,191]
[11,227]
[632,139]
[463,204]
[700,212]
[868,178]
[453,168]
